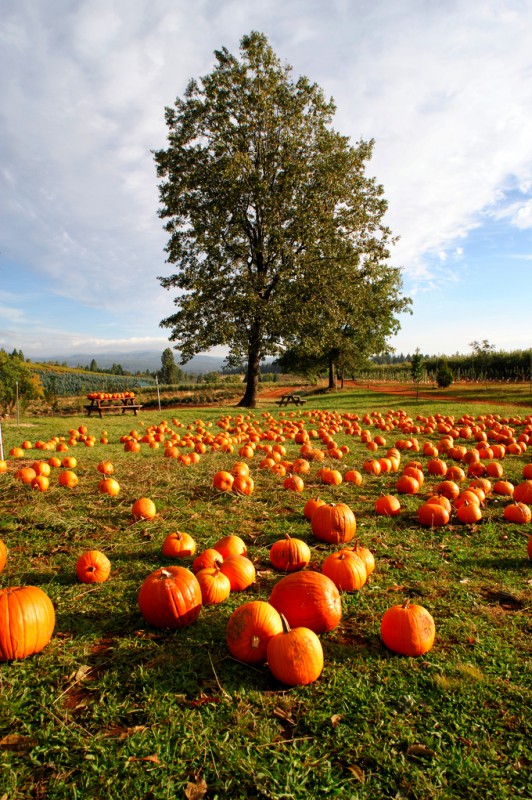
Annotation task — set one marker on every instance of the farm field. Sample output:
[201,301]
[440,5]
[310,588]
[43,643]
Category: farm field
[114,707]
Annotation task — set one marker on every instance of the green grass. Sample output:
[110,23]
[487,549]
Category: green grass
[113,708]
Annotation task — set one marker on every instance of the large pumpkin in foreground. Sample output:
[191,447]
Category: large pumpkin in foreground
[170,598]
[27,621]
[408,629]
[308,600]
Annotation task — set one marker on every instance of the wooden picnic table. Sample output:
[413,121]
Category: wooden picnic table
[286,399]
[102,406]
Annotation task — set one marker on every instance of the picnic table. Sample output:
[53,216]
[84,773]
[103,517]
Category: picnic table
[102,403]
[286,399]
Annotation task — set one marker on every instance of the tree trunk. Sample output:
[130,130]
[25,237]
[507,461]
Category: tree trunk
[250,395]
[332,372]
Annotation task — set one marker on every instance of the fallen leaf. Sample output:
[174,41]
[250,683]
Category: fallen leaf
[357,772]
[81,673]
[16,741]
[196,790]
[420,751]
[154,759]
[336,719]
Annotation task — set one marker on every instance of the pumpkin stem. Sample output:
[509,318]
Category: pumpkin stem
[286,626]
[255,641]
[164,574]
[406,603]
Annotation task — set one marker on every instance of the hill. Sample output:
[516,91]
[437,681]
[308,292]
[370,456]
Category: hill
[136,361]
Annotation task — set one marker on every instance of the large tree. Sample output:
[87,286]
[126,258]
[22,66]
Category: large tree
[264,202]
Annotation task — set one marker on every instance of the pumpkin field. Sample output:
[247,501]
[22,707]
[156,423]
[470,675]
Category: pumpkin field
[329,601]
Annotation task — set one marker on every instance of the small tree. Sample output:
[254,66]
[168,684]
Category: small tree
[416,370]
[444,374]
[169,373]
[16,376]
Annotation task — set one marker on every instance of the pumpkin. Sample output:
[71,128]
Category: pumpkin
[93,567]
[243,484]
[3,555]
[207,558]
[353,476]
[387,505]
[346,570]
[523,492]
[289,555]
[518,512]
[503,487]
[27,621]
[240,571]
[408,629]
[249,629]
[143,508]
[311,505]
[448,489]
[223,481]
[179,545]
[170,597]
[68,478]
[25,475]
[436,466]
[407,484]
[231,545]
[308,599]
[294,483]
[469,512]
[41,483]
[366,555]
[529,547]
[215,586]
[109,486]
[106,467]
[433,515]
[295,656]
[334,523]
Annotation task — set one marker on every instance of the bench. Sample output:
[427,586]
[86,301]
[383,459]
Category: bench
[103,406]
[291,398]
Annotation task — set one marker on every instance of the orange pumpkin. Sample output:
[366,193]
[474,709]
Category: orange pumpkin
[308,599]
[295,656]
[170,597]
[3,555]
[334,523]
[249,629]
[93,567]
[143,508]
[387,505]
[346,569]
[27,621]
[231,545]
[178,545]
[240,570]
[519,513]
[289,555]
[408,629]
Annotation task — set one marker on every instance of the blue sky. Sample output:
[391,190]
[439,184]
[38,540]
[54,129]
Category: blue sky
[445,89]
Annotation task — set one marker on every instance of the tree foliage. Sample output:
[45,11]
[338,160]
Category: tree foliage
[444,374]
[266,205]
[17,379]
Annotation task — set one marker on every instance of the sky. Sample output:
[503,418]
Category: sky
[444,89]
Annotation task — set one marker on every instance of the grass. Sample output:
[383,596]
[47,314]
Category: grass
[113,708]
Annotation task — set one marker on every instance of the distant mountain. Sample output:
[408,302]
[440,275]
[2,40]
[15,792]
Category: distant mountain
[136,361]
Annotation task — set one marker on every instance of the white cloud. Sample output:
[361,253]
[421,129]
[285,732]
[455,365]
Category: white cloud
[444,88]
